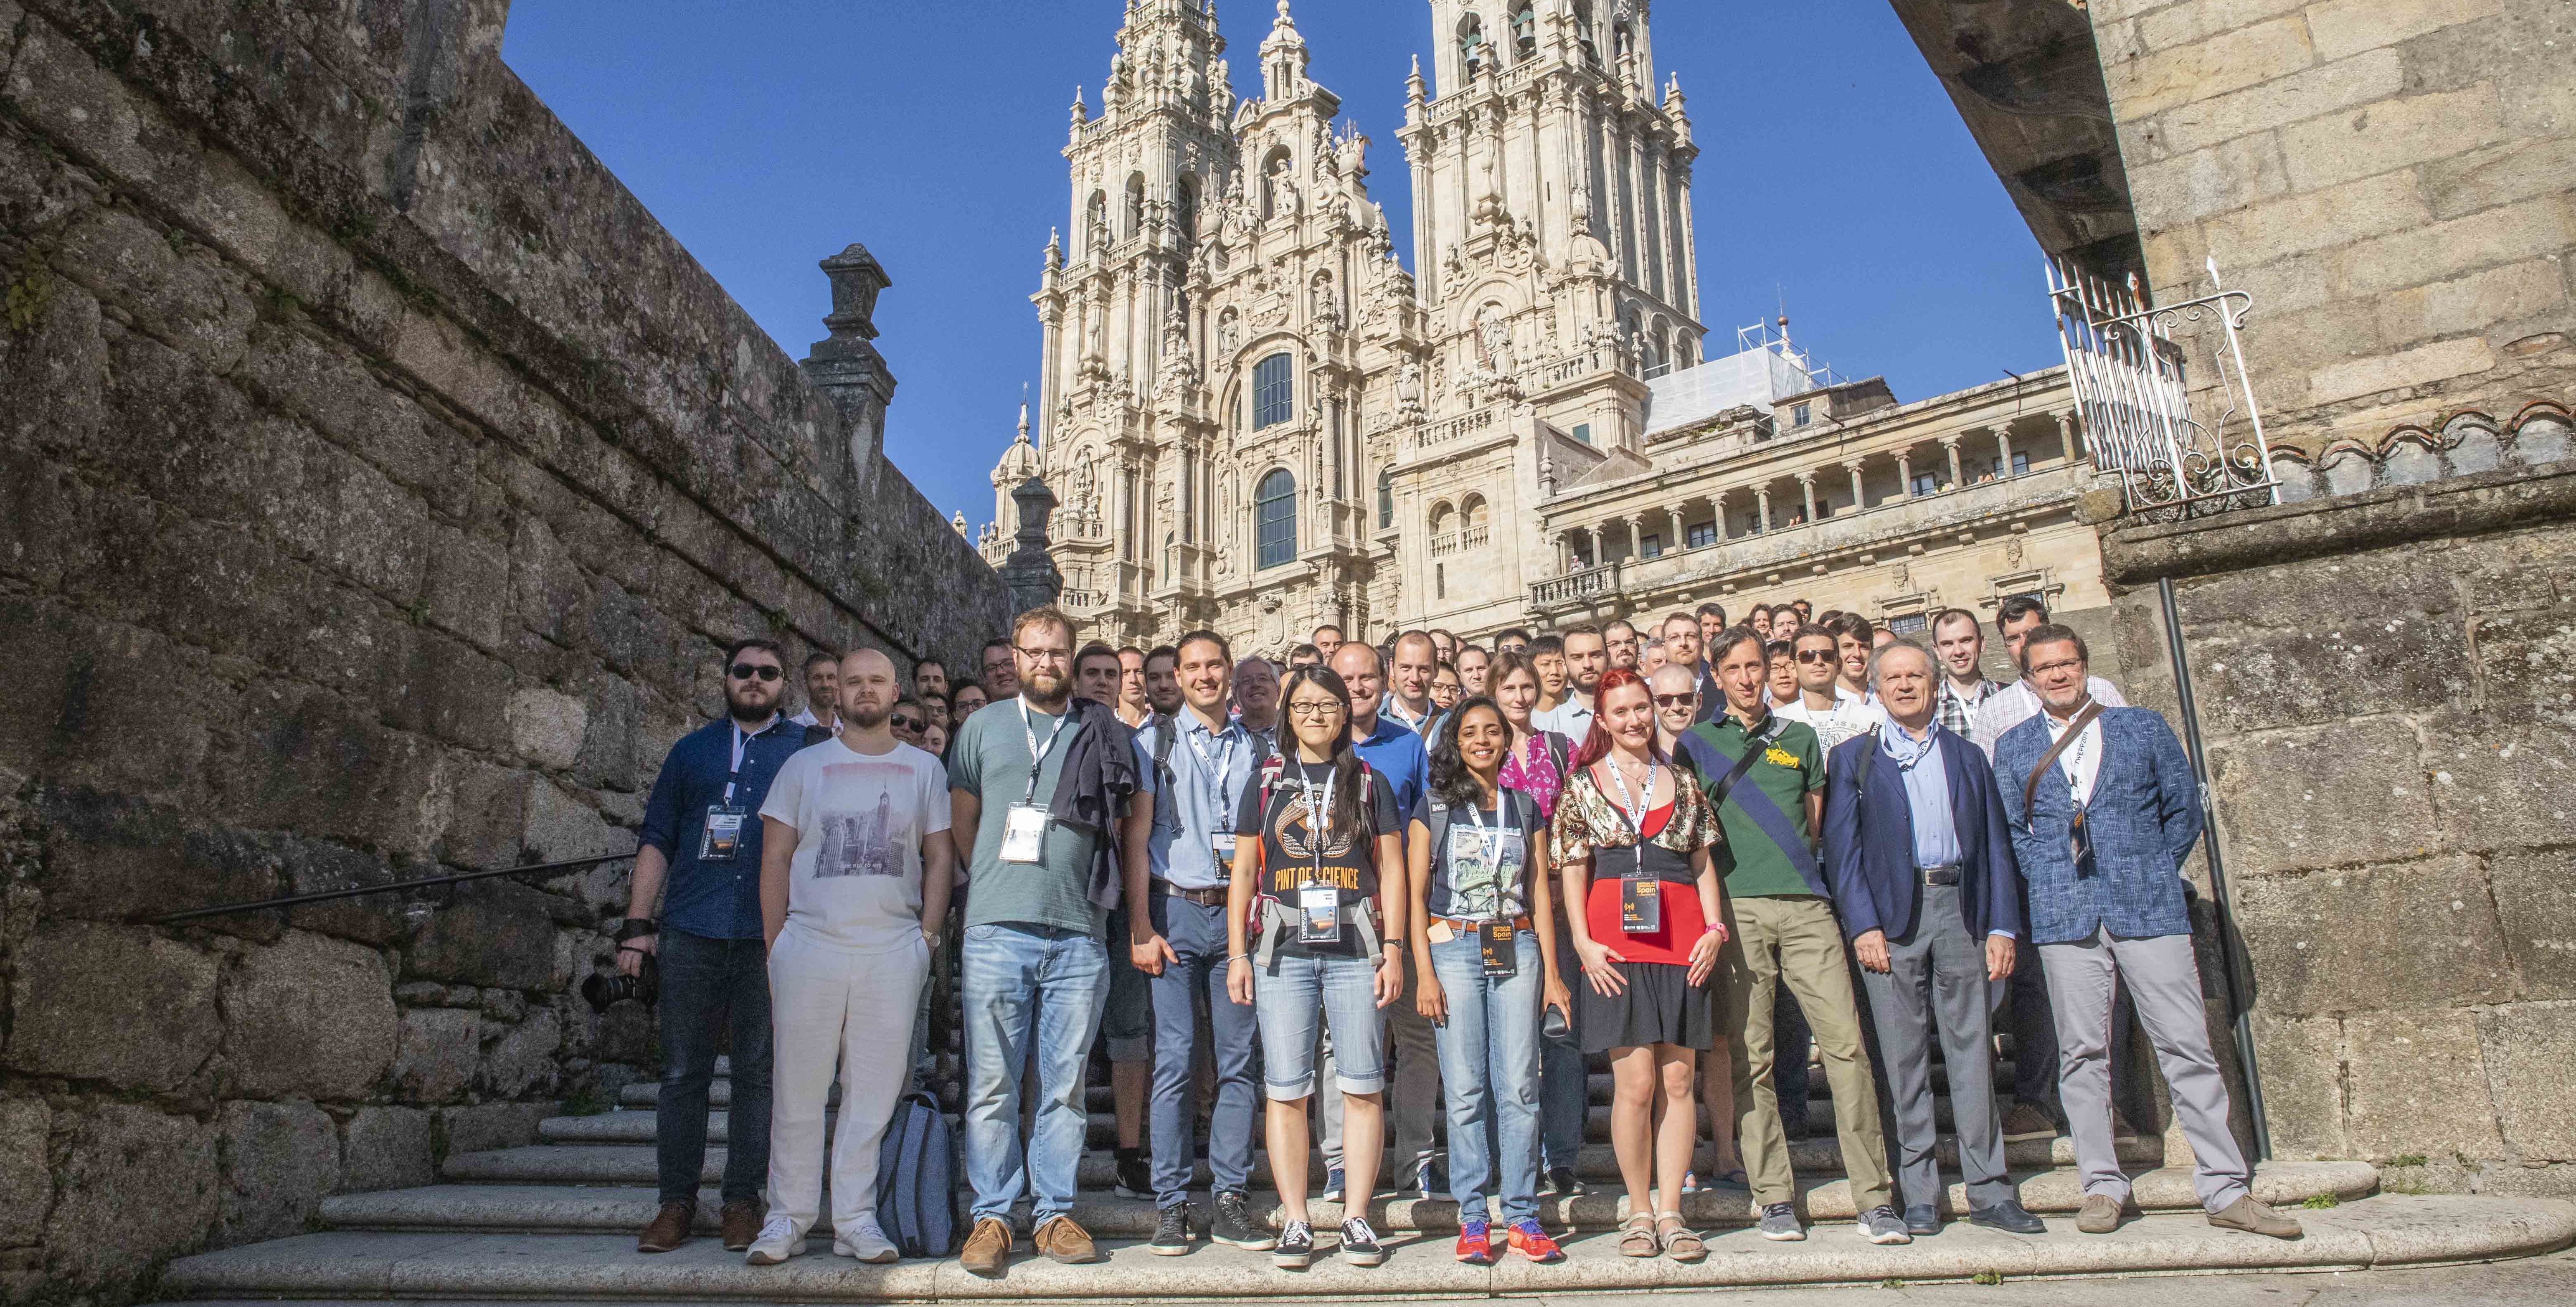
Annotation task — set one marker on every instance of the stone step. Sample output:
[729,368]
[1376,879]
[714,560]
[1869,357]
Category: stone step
[2382,1232]
[634,1163]
[578,1209]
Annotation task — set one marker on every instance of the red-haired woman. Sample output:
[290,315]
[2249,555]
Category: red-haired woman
[1632,837]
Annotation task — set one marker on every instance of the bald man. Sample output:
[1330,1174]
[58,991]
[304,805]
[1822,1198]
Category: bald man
[855,871]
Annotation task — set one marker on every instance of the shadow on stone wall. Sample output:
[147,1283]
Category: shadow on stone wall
[378,484]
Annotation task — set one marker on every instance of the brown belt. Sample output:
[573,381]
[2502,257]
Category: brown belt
[1206,898]
[1465,926]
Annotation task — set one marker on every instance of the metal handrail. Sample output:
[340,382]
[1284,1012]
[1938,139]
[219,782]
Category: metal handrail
[326,896]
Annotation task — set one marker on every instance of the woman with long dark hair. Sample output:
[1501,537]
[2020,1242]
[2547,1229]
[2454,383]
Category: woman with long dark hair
[1535,761]
[1632,837]
[1317,839]
[1484,965]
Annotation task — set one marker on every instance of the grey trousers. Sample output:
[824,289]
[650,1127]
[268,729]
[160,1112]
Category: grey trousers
[1936,991]
[2161,976]
[1413,1092]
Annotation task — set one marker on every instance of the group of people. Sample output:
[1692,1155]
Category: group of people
[1383,885]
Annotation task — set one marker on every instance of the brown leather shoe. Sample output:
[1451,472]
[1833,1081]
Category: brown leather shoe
[2254,1218]
[669,1228]
[986,1247]
[2099,1215]
[740,1223]
[1065,1241]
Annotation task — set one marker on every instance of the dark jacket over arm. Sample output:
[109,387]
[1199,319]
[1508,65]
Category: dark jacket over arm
[1098,776]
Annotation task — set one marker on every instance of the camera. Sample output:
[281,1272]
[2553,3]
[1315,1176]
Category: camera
[609,986]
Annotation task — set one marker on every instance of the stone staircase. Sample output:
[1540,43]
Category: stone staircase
[556,1220]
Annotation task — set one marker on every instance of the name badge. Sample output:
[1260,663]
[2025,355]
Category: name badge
[1319,914]
[1023,833]
[1494,944]
[722,837]
[2080,841]
[1224,850]
[1641,906]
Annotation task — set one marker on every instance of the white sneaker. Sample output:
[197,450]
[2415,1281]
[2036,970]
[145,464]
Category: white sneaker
[866,1241]
[778,1241]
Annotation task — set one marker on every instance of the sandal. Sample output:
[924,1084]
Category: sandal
[1637,1236]
[1679,1243]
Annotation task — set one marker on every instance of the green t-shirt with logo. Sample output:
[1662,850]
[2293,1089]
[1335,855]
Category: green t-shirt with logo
[1792,767]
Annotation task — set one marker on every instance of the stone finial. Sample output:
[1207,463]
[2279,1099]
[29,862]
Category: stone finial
[856,278]
[1030,573]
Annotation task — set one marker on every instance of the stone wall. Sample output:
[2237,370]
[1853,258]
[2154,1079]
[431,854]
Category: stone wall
[2393,180]
[378,484]
[2384,687]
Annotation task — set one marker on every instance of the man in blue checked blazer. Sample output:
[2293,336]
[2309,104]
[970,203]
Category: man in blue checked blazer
[2103,809]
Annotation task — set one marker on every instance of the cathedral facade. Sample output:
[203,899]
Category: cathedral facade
[1255,417]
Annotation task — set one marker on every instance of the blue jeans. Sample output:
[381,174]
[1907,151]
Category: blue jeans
[1024,986]
[1489,1064]
[1563,1092]
[1197,937]
[707,984]
[1300,994]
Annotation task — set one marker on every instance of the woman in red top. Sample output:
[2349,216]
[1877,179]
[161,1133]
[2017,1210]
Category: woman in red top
[1629,827]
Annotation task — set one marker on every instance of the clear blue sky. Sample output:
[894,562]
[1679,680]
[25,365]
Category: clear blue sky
[766,134]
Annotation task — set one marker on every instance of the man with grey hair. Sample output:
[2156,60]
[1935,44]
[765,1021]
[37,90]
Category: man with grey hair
[1922,872]
[1651,656]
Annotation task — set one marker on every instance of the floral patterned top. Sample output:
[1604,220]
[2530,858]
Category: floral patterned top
[1585,818]
[1537,778]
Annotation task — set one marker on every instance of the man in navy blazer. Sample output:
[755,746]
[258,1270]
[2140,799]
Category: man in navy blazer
[1921,866]
[2104,808]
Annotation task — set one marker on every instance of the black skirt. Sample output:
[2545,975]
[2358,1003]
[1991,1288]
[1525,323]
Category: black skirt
[1659,1006]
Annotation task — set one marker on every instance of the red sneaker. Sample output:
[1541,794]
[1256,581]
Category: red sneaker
[1533,1241]
[1475,1245]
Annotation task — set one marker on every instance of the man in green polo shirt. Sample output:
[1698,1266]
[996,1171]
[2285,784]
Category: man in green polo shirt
[1781,930]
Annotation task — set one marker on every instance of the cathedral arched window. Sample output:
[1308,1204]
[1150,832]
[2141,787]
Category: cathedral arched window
[1583,31]
[1185,209]
[1274,515]
[1524,30]
[1386,499]
[1472,48]
[1136,204]
[1274,397]
[1095,223]
[1624,42]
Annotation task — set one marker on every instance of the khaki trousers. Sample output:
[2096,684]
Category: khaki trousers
[1795,941]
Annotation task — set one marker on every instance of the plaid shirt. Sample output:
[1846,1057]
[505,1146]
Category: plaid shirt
[1958,712]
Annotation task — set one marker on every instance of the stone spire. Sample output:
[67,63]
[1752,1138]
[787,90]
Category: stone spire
[1283,58]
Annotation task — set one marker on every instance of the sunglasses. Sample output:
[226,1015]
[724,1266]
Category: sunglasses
[910,723]
[1675,700]
[750,671]
[1819,656]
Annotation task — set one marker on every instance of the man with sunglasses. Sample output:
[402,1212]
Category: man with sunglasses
[698,857]
[910,717]
[1834,714]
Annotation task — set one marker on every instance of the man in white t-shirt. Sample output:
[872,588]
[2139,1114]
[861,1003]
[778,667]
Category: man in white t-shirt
[855,871]
[1835,714]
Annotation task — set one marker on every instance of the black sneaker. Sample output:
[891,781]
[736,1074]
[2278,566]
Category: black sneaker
[1234,1226]
[1359,1243]
[1171,1231]
[1561,1183]
[1135,1179]
[1296,1247]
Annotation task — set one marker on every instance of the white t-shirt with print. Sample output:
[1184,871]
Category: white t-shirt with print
[860,819]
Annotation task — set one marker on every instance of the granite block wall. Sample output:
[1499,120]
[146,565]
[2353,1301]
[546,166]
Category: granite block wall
[378,485]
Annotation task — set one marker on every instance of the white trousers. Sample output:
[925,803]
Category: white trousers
[831,1009]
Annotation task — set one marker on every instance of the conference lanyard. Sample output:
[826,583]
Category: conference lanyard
[1635,810]
[1037,756]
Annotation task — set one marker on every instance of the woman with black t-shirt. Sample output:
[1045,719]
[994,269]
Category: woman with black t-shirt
[1633,836]
[1316,839]
[1484,965]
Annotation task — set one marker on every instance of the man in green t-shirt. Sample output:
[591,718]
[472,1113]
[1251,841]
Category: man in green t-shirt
[1781,930]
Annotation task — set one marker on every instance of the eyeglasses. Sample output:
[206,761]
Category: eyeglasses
[751,671]
[1675,700]
[1043,655]
[1819,656]
[1316,710]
